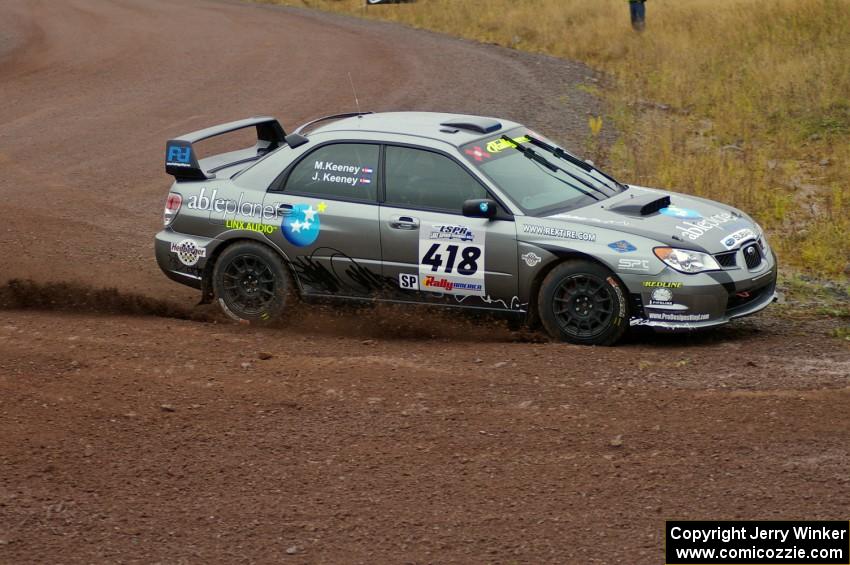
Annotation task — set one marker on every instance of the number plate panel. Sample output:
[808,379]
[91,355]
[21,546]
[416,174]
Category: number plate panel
[451,259]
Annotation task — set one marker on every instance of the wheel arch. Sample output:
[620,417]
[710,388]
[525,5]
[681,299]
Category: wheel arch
[562,256]
[206,285]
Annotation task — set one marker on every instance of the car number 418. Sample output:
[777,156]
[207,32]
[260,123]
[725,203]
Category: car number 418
[466,262]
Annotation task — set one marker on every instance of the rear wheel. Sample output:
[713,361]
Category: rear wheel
[582,302]
[252,283]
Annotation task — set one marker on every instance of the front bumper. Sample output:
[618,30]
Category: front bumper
[674,301]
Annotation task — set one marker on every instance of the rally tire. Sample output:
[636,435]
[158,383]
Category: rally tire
[584,303]
[252,284]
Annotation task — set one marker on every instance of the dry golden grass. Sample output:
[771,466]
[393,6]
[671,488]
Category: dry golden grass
[750,99]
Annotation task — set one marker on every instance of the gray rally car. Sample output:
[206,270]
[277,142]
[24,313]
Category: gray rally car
[455,210]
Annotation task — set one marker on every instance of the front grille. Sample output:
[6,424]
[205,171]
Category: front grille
[752,255]
[727,260]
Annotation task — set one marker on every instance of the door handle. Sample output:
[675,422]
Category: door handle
[404,223]
[284,209]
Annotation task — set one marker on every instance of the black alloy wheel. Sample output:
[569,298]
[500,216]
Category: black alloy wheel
[584,305]
[583,302]
[251,283]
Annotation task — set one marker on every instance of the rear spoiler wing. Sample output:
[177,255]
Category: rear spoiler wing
[182,162]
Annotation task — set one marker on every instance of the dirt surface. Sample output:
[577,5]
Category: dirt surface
[136,427]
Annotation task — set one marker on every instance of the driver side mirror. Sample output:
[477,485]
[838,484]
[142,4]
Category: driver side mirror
[480,208]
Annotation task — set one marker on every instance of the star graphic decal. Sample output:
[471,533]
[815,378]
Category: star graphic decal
[322,207]
[309,213]
[297,226]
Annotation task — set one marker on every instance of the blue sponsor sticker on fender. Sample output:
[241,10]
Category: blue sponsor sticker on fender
[682,213]
[622,246]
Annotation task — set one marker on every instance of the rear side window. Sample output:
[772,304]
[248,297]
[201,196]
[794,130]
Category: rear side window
[347,171]
[422,179]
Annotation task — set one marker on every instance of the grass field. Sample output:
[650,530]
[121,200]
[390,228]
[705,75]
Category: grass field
[744,101]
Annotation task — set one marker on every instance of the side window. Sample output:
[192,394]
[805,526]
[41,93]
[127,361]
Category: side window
[418,178]
[342,170]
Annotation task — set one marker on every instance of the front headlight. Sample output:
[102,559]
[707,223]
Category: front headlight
[762,239]
[686,261]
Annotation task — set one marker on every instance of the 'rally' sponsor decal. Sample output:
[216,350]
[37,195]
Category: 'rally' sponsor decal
[449,286]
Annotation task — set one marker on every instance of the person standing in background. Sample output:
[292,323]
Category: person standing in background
[638,10]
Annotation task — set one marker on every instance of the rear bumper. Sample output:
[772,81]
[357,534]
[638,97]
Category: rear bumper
[182,271]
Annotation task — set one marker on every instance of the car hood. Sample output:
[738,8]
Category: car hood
[688,223]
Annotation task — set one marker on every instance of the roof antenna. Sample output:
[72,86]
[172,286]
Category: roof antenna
[356,101]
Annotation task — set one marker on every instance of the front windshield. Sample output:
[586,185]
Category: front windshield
[538,190]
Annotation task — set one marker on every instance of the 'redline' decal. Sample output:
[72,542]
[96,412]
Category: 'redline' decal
[302,226]
[662,284]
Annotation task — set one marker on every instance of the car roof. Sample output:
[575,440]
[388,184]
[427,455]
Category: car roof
[463,128]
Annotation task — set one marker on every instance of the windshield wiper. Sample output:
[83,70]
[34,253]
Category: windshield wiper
[548,147]
[541,160]
[532,154]
[561,154]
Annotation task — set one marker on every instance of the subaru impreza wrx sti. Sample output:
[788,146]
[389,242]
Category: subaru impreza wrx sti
[453,210]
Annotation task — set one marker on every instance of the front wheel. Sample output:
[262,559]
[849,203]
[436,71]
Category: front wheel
[582,302]
[251,283]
